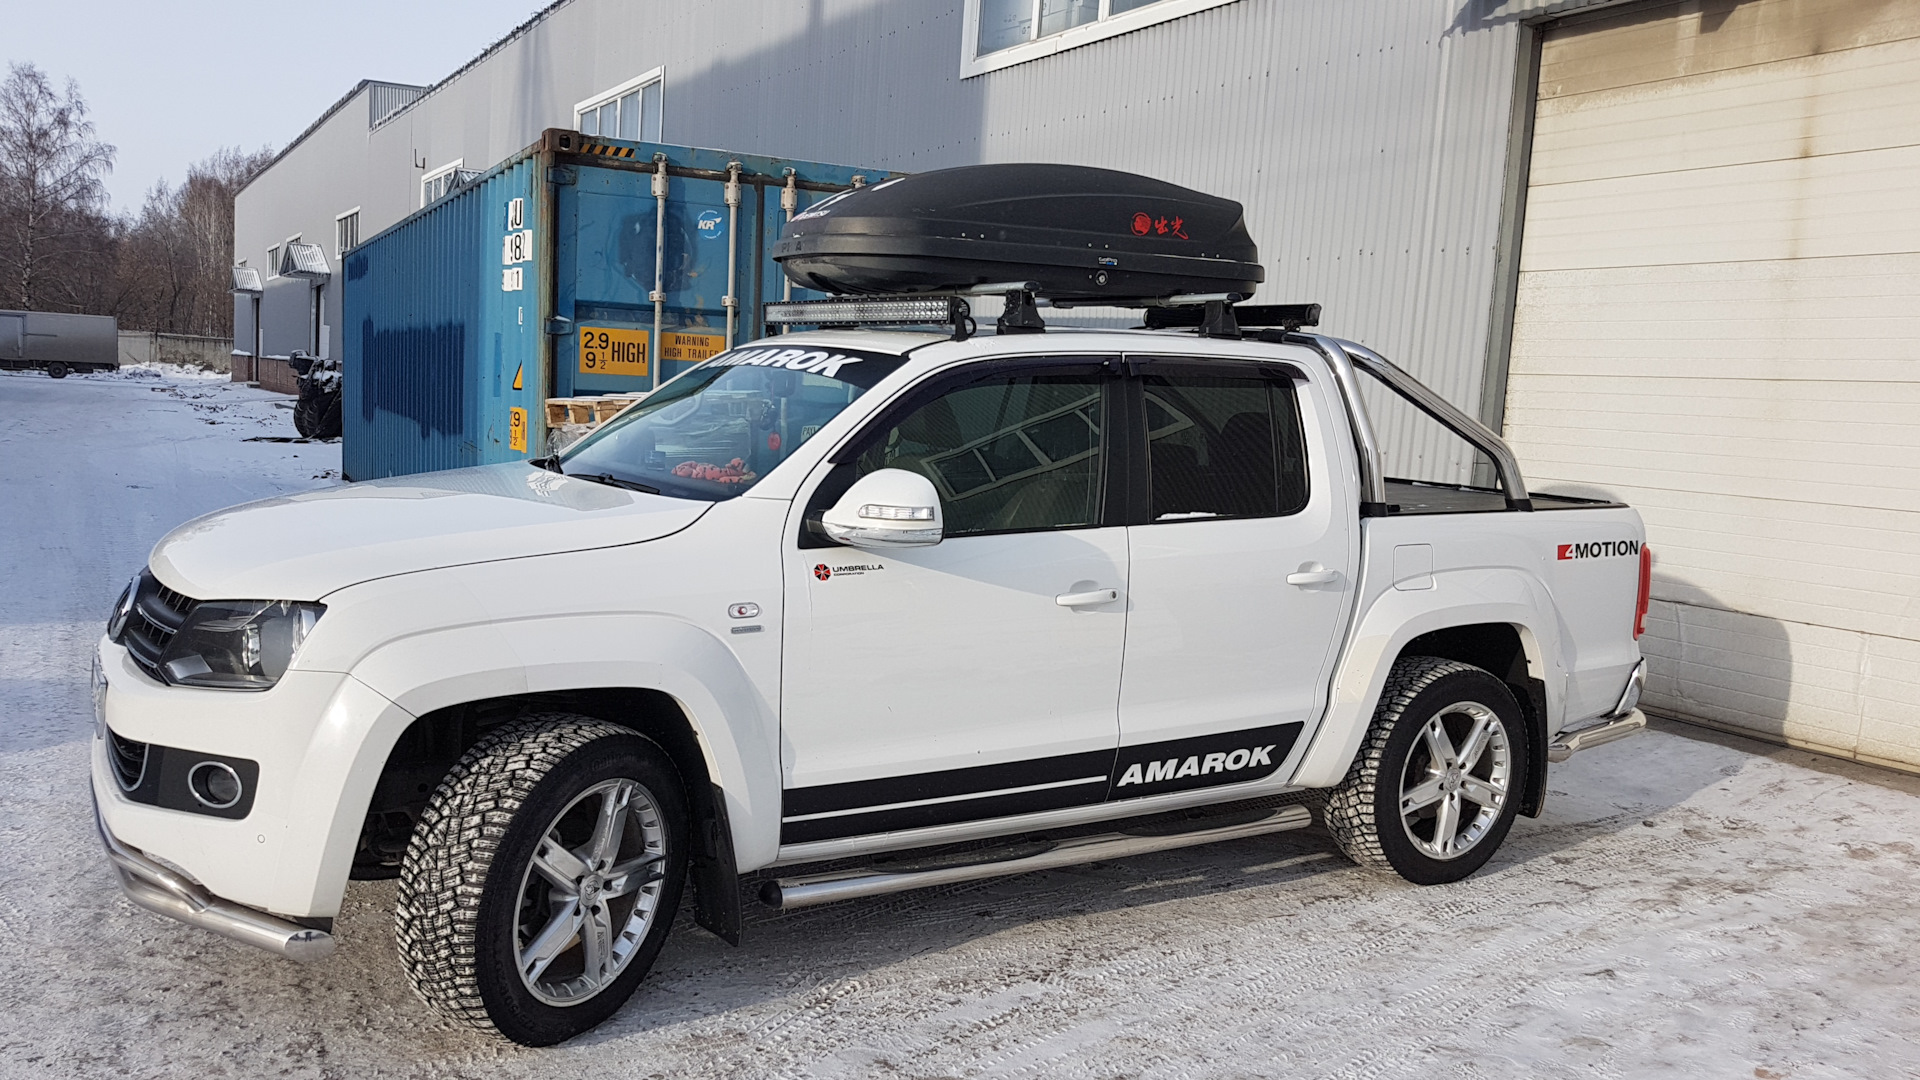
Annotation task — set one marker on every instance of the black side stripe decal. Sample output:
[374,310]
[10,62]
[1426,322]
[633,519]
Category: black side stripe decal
[946,813]
[981,792]
[978,779]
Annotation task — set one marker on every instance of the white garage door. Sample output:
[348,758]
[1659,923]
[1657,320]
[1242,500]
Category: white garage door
[1719,322]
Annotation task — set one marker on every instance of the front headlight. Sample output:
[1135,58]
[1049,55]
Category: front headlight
[238,644]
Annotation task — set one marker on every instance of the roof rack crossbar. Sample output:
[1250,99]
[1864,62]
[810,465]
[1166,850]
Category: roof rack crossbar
[1290,317]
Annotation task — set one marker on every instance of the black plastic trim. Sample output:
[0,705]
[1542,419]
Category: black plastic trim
[163,783]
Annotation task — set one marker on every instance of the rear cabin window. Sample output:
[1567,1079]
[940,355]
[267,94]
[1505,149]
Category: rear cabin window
[1222,447]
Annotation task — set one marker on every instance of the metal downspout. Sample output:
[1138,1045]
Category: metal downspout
[659,296]
[730,301]
[789,202]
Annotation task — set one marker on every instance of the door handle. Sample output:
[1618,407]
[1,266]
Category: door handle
[1091,598]
[1314,577]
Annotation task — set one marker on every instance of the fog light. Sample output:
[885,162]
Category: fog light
[214,785]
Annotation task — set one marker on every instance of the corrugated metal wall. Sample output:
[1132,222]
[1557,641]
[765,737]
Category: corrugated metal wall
[1369,139]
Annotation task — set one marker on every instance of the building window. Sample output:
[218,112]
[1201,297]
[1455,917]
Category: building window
[630,111]
[274,253]
[437,183]
[346,232]
[1000,33]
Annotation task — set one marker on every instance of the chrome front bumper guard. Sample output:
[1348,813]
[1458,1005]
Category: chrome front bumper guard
[167,892]
[1625,719]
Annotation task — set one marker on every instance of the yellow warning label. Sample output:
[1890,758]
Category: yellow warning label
[693,348]
[606,350]
[517,430]
[517,372]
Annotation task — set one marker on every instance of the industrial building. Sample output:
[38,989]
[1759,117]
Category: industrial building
[1671,248]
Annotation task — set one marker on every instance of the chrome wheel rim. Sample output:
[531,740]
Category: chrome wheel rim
[1457,780]
[589,894]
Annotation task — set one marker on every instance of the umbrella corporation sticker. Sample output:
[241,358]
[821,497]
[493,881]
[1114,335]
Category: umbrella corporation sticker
[823,571]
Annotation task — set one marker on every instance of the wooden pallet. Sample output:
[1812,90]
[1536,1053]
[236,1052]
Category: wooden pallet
[592,411]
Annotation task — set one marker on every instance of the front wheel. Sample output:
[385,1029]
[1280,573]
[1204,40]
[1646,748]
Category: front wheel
[56,370]
[1437,782]
[543,877]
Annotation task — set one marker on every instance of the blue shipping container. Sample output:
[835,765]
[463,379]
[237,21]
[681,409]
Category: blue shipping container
[543,279]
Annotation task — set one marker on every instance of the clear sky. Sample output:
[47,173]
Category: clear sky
[170,81]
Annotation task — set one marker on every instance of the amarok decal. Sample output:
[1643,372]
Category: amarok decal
[1232,757]
[1599,549]
[812,362]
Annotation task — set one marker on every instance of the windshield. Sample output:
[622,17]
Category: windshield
[716,430]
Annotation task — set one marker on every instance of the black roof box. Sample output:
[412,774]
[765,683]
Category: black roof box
[1084,235]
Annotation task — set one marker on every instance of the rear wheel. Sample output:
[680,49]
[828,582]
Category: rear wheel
[543,877]
[1437,782]
[57,370]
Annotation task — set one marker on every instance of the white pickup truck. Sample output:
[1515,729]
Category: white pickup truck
[837,596]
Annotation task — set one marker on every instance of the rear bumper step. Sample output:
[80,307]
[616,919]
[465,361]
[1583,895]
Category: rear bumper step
[798,892]
[165,892]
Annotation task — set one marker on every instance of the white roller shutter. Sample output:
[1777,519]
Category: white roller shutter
[1718,321]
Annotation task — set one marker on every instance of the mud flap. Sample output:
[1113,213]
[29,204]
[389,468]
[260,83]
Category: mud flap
[1532,695]
[715,873]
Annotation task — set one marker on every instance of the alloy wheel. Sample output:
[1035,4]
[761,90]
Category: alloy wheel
[589,894]
[1457,779]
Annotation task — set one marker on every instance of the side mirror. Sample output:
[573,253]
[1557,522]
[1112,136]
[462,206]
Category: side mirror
[890,508]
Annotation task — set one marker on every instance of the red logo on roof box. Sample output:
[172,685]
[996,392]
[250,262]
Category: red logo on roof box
[1598,549]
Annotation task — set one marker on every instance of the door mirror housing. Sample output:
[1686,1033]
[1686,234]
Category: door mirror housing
[888,508]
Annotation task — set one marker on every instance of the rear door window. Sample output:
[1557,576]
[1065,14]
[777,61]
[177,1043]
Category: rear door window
[1221,445]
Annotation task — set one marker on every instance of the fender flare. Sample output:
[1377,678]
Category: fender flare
[734,725]
[1395,617]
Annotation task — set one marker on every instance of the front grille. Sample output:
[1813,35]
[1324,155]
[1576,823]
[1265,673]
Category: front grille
[175,602]
[129,759]
[158,613]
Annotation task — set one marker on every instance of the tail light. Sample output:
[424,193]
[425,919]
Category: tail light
[1646,592]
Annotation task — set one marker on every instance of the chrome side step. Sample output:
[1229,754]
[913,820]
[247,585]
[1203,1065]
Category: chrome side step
[163,892]
[1570,743]
[799,892]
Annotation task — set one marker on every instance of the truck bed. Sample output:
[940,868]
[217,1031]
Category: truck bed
[1421,497]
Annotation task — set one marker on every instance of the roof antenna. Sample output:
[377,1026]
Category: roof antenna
[1021,316]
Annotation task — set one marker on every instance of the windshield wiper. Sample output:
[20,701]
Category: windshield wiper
[613,481]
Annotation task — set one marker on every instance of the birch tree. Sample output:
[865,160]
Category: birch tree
[54,231]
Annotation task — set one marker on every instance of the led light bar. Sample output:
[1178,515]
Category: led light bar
[856,311]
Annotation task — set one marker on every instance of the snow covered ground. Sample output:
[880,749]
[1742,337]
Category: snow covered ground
[1688,907]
